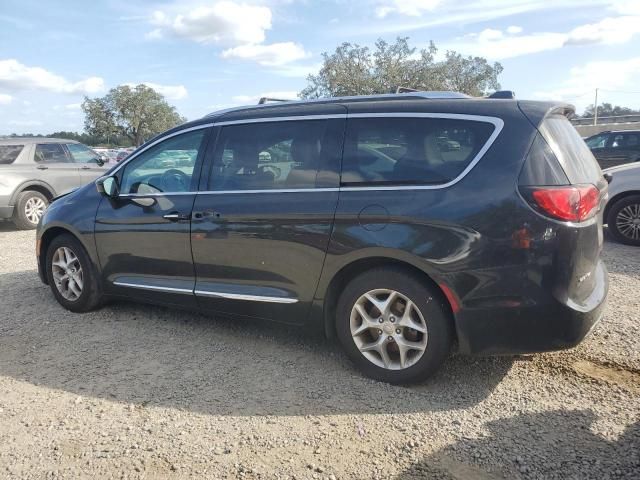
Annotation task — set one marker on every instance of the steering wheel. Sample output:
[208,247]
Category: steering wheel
[174,180]
[270,169]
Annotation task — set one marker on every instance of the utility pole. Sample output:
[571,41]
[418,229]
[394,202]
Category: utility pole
[595,112]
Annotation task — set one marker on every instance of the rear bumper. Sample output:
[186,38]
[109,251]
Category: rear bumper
[534,328]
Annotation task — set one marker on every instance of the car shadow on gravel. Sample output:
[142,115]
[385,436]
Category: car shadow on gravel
[557,444]
[157,356]
[7,226]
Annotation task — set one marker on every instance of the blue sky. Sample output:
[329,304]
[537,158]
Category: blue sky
[207,54]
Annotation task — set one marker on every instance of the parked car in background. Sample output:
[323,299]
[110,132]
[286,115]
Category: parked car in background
[478,224]
[615,147]
[622,213]
[34,170]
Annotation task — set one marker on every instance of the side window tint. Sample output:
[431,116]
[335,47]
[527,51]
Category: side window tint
[82,153]
[632,140]
[410,150]
[618,141]
[598,141]
[8,153]
[166,167]
[51,153]
[270,155]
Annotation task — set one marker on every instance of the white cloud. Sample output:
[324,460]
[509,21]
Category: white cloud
[73,106]
[275,54]
[498,44]
[172,92]
[5,99]
[248,99]
[17,76]
[224,22]
[411,8]
[582,81]
[25,123]
[608,31]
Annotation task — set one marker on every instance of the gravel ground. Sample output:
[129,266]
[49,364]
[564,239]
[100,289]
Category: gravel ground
[134,391]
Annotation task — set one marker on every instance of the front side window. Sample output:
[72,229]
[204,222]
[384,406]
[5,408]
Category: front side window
[8,153]
[82,153]
[167,167]
[597,141]
[410,150]
[270,155]
[617,142]
[51,153]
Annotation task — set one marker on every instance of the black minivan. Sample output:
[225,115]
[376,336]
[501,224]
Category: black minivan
[401,224]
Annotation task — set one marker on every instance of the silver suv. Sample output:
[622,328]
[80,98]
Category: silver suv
[34,170]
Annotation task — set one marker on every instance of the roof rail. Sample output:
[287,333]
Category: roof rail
[264,100]
[508,94]
[406,90]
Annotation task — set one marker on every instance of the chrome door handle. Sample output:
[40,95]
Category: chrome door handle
[84,167]
[42,167]
[175,216]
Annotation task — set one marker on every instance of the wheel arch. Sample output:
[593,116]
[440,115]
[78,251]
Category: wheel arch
[34,185]
[350,270]
[45,240]
[613,200]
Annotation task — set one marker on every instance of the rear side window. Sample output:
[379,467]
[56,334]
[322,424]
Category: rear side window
[51,153]
[410,150]
[8,153]
[270,155]
[572,152]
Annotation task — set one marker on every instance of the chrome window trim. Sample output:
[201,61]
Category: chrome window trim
[498,124]
[136,154]
[156,288]
[281,119]
[240,296]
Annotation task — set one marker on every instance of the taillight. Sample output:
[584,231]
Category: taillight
[570,203]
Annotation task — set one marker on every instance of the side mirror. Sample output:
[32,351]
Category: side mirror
[108,186]
[101,160]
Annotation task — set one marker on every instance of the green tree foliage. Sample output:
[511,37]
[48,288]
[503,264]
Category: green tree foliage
[608,110]
[137,113]
[356,70]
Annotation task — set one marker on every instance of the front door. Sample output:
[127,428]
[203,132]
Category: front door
[142,236]
[261,226]
[54,166]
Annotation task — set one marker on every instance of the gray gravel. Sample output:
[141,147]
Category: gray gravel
[133,391]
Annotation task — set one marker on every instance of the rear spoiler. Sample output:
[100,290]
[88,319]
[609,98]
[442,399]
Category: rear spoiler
[537,111]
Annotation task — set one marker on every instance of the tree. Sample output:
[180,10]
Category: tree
[135,113]
[608,110]
[355,70]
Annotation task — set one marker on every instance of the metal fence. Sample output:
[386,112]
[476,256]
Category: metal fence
[607,120]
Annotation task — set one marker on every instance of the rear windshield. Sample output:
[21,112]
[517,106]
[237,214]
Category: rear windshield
[8,153]
[410,150]
[572,152]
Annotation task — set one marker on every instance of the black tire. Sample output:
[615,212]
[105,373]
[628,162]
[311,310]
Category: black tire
[20,215]
[618,208]
[429,302]
[91,294]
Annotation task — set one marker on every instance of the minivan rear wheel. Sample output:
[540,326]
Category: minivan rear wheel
[71,275]
[392,326]
[29,208]
[624,220]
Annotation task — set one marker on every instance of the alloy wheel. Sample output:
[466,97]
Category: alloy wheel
[628,221]
[34,208]
[388,329]
[67,273]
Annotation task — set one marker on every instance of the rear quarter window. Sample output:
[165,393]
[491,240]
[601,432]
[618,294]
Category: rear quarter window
[570,149]
[8,153]
[411,150]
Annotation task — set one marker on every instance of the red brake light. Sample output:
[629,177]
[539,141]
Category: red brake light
[570,203]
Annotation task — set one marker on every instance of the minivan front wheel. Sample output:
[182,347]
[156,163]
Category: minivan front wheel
[393,326]
[29,208]
[71,275]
